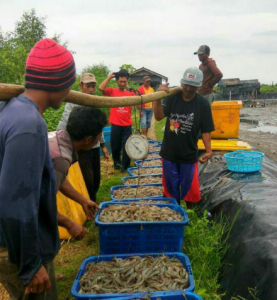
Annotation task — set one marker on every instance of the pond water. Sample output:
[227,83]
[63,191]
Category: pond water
[265,128]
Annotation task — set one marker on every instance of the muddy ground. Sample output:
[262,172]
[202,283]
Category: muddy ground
[258,127]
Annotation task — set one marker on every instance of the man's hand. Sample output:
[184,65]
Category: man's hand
[76,230]
[90,207]
[205,157]
[106,153]
[111,76]
[164,87]
[40,283]
[141,114]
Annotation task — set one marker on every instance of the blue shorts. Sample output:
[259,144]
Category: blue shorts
[146,118]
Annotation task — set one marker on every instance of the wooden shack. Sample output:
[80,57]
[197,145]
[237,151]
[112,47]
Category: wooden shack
[229,87]
[156,78]
[237,89]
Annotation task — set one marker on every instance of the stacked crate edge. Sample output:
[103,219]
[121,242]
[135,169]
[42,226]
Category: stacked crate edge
[180,256]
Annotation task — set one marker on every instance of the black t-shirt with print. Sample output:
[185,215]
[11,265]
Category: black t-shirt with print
[184,122]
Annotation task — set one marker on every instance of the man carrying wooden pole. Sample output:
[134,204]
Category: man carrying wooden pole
[29,237]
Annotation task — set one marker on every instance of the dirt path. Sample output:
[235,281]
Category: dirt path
[264,124]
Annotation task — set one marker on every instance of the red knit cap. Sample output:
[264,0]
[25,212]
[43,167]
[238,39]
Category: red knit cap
[49,67]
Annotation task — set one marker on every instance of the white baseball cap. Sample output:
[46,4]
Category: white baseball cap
[192,76]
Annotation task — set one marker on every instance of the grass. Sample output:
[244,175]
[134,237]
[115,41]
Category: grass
[252,293]
[52,117]
[206,244]
[159,128]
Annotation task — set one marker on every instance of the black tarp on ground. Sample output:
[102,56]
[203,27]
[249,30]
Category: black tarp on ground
[251,260]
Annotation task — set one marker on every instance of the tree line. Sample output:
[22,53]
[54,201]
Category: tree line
[16,45]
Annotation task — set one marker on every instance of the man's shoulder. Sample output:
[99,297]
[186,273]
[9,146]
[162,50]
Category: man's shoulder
[175,97]
[21,117]
[110,91]
[170,101]
[201,100]
[210,61]
[61,147]
[110,88]
[126,93]
[70,106]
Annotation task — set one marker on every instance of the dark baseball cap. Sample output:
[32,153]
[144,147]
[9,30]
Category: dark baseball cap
[203,49]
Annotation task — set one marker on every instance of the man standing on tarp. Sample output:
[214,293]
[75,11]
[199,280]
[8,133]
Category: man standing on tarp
[29,237]
[120,118]
[146,110]
[187,114]
[89,161]
[212,74]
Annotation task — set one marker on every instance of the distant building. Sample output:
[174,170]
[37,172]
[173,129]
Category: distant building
[156,78]
[234,88]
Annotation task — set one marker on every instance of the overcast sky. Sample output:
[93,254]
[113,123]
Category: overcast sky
[162,35]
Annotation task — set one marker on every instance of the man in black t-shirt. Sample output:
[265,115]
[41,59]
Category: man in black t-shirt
[188,114]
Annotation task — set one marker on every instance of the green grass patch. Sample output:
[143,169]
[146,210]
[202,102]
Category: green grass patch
[205,244]
[159,128]
[52,117]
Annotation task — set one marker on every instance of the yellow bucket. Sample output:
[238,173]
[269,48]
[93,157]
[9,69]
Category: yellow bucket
[69,208]
[226,119]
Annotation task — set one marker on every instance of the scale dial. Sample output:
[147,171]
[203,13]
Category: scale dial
[137,147]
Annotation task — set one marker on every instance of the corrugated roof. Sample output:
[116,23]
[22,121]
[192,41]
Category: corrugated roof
[255,81]
[230,81]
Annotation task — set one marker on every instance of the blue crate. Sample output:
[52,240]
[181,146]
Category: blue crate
[156,146]
[138,162]
[124,179]
[159,200]
[107,137]
[241,161]
[117,187]
[155,142]
[141,237]
[182,257]
[171,296]
[130,170]
[154,152]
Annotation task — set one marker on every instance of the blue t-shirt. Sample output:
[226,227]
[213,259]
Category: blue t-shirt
[28,210]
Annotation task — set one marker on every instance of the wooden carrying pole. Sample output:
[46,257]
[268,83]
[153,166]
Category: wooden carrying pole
[8,91]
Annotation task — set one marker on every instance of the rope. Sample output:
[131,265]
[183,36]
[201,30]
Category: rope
[141,99]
